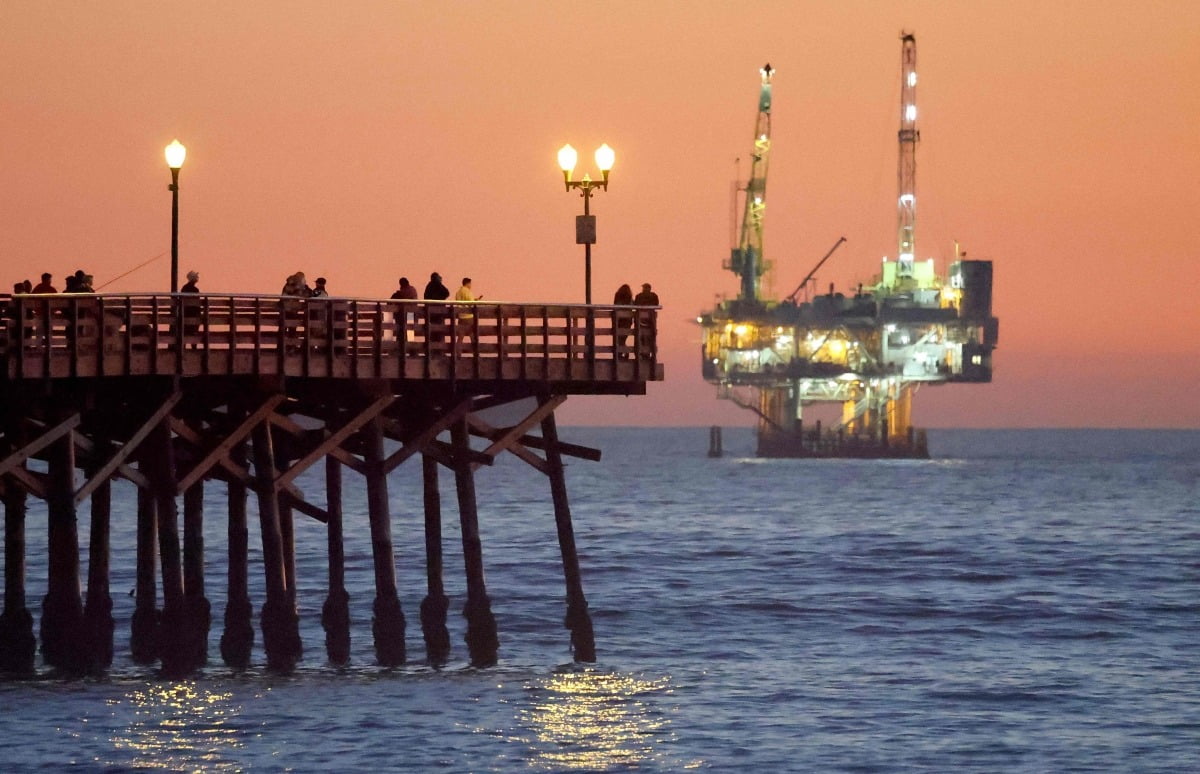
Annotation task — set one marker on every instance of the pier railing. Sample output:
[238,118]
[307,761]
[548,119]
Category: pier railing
[93,335]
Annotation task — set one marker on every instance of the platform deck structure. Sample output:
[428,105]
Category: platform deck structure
[173,392]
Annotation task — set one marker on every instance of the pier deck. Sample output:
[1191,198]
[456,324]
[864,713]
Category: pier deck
[168,392]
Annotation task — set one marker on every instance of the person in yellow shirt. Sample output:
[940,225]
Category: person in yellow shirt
[466,316]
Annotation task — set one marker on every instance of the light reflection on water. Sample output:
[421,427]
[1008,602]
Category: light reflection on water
[593,721]
[178,726]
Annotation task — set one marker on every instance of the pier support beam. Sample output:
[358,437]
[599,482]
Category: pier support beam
[238,637]
[199,611]
[483,643]
[97,611]
[143,636]
[18,647]
[280,624]
[389,624]
[174,634]
[578,620]
[335,613]
[435,604]
[62,607]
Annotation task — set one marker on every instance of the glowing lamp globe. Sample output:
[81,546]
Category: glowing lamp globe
[175,153]
[567,156]
[605,158]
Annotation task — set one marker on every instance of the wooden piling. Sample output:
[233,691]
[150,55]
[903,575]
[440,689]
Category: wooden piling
[18,646]
[483,642]
[287,527]
[62,607]
[389,624]
[335,613]
[174,634]
[97,610]
[238,637]
[199,611]
[435,604]
[143,637]
[280,624]
[577,620]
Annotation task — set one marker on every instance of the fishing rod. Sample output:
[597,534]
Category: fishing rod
[131,271]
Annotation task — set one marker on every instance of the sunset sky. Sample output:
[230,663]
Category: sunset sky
[362,141]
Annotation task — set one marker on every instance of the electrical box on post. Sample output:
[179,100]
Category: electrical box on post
[585,229]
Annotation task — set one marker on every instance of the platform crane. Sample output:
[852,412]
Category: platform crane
[907,172]
[746,260]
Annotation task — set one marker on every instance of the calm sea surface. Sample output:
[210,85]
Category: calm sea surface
[1028,601]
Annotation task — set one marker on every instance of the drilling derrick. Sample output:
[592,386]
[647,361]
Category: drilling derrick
[746,260]
[867,350]
[907,172]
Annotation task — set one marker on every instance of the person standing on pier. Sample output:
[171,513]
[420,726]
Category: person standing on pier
[647,297]
[406,292]
[466,315]
[191,309]
[623,297]
[45,286]
[319,291]
[436,291]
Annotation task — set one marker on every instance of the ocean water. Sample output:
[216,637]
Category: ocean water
[1026,601]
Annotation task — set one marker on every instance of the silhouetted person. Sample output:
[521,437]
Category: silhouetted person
[406,292]
[436,291]
[647,297]
[623,297]
[44,286]
[319,291]
[191,308]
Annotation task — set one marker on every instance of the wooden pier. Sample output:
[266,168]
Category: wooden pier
[173,392]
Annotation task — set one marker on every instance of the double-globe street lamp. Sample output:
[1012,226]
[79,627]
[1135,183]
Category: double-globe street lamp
[175,153]
[585,224]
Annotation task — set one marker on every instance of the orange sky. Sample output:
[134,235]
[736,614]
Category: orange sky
[365,140]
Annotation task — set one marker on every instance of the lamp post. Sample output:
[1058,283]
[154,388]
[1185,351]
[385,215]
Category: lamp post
[175,153]
[585,224]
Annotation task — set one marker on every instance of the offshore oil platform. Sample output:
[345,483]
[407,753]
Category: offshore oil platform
[869,350]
